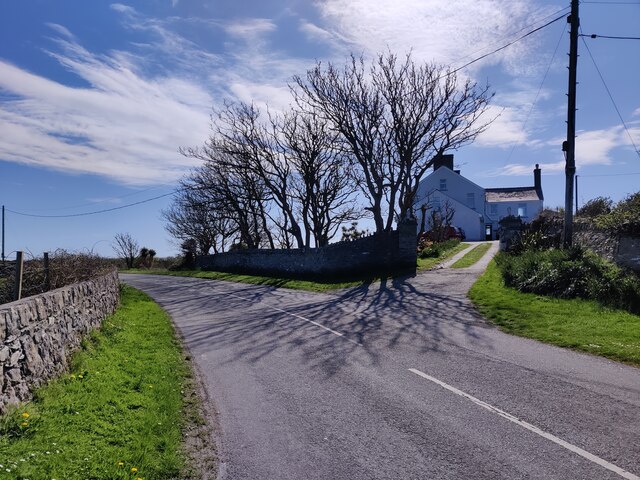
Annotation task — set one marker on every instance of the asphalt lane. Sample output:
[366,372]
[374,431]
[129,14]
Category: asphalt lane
[399,379]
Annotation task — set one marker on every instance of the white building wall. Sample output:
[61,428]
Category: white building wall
[504,209]
[459,191]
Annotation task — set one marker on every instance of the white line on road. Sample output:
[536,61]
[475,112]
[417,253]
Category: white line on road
[300,317]
[583,453]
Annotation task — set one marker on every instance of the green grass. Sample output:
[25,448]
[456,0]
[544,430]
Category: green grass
[472,256]
[121,407]
[310,286]
[307,285]
[430,262]
[577,324]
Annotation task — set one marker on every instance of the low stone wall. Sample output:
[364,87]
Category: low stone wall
[37,334]
[378,253]
[621,249]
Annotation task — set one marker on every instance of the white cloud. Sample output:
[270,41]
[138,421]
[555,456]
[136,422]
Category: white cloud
[594,147]
[60,30]
[441,30]
[250,29]
[124,126]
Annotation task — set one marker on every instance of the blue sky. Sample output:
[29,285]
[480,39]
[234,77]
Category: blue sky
[97,97]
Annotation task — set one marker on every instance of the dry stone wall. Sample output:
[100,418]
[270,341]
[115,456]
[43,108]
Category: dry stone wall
[621,249]
[38,334]
[375,254]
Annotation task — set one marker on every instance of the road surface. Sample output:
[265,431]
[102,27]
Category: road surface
[400,379]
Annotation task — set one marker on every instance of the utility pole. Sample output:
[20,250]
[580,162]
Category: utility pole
[577,193]
[569,146]
[3,234]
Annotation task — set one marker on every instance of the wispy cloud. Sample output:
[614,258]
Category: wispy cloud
[593,147]
[440,30]
[123,126]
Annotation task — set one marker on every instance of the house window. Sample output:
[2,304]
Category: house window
[471,200]
[522,209]
[443,184]
[493,208]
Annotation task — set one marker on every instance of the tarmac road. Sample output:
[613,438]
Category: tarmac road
[396,380]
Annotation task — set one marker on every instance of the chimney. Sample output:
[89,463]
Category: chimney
[443,161]
[537,181]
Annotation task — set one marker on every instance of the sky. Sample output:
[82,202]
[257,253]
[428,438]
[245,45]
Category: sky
[96,97]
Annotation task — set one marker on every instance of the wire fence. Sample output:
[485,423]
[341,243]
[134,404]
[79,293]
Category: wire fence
[48,272]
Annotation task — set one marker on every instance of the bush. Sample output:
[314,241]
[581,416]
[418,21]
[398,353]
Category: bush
[571,273]
[624,218]
[436,249]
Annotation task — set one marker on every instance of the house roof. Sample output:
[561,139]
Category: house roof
[511,194]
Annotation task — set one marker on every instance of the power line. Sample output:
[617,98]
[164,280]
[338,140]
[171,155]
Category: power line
[611,175]
[614,3]
[593,35]
[508,44]
[535,100]
[108,200]
[95,212]
[611,98]
[471,54]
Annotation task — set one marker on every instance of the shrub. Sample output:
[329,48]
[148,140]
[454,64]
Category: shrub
[624,217]
[436,249]
[571,273]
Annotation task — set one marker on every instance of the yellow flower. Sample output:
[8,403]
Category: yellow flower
[25,415]
[24,424]
[120,464]
[80,376]
[134,469]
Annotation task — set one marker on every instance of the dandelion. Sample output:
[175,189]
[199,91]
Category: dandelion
[24,424]
[80,376]
[121,464]
[25,415]
[134,469]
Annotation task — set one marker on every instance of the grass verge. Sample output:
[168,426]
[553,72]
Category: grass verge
[472,256]
[577,324]
[307,285]
[430,262]
[119,414]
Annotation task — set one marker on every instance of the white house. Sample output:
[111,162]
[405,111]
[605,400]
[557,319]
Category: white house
[477,210]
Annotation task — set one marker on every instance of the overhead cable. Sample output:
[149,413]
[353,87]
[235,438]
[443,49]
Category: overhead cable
[92,213]
[611,98]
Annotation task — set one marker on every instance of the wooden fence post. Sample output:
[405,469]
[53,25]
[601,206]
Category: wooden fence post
[47,278]
[17,290]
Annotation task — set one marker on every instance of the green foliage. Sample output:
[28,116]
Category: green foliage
[595,207]
[623,218]
[575,323]
[454,246]
[571,273]
[121,407]
[473,256]
[352,233]
[435,250]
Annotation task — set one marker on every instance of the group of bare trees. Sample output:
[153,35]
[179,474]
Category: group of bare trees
[356,139]
[128,249]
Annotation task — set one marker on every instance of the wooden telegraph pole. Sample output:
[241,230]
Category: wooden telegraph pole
[569,146]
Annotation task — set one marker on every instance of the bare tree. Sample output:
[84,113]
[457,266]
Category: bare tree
[394,119]
[126,248]
[247,143]
[321,180]
[232,193]
[194,215]
[355,110]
